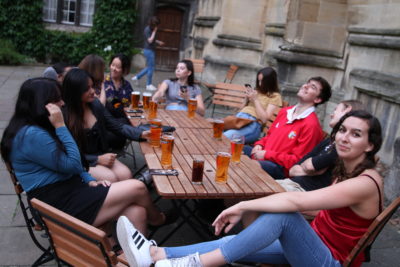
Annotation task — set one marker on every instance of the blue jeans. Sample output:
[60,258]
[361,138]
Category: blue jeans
[275,170]
[275,238]
[150,64]
[251,132]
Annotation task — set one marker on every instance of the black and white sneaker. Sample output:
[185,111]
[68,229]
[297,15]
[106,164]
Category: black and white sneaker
[192,260]
[135,246]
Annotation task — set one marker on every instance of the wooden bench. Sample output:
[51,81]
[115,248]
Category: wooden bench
[74,241]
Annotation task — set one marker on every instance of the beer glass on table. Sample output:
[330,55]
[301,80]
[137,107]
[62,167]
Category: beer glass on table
[192,107]
[135,96]
[152,110]
[218,128]
[197,171]
[237,143]
[167,145]
[146,100]
[155,132]
[221,174]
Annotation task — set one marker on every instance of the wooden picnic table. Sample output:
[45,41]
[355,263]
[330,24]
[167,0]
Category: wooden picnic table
[246,179]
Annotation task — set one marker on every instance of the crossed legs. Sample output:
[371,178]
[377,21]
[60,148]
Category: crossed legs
[130,198]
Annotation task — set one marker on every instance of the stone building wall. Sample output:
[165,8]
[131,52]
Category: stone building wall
[354,44]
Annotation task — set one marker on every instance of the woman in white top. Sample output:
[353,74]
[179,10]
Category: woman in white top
[179,90]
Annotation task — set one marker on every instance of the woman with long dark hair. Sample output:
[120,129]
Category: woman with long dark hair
[47,163]
[259,105]
[281,235]
[91,126]
[180,89]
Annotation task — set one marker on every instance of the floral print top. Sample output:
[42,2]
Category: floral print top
[123,93]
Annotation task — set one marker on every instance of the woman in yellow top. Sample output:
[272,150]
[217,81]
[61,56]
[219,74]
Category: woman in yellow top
[259,105]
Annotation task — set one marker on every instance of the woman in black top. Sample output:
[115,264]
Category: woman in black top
[90,123]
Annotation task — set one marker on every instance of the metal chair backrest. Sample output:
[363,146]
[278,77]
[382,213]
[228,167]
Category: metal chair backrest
[373,231]
[74,241]
[32,223]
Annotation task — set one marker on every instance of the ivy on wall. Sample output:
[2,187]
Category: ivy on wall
[112,31]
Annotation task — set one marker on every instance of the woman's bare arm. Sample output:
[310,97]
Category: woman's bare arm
[160,92]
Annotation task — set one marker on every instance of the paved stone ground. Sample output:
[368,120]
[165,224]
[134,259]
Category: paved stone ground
[16,247]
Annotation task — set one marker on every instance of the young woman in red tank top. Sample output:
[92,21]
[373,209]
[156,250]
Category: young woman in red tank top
[281,235]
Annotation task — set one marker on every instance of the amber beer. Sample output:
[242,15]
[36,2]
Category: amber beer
[167,144]
[155,132]
[146,100]
[221,175]
[237,144]
[192,107]
[197,171]
[135,96]
[152,110]
[218,127]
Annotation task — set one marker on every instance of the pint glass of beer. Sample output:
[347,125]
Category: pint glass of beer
[155,132]
[218,127]
[237,143]
[197,171]
[221,175]
[167,144]
[152,110]
[146,100]
[192,106]
[135,96]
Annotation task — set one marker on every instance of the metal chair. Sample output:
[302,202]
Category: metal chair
[32,222]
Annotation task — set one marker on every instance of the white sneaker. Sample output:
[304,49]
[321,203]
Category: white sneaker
[151,87]
[192,260]
[135,246]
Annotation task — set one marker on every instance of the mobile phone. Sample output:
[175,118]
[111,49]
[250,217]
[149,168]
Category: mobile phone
[247,85]
[134,111]
[163,172]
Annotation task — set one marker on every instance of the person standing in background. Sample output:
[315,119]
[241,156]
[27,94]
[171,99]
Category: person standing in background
[150,42]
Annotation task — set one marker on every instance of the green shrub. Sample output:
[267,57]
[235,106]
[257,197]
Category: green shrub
[21,22]
[8,54]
